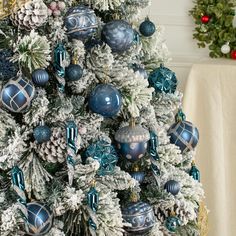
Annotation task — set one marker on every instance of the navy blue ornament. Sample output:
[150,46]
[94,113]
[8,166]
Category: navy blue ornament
[17,94]
[163,79]
[42,133]
[105,154]
[73,72]
[138,175]
[147,28]
[172,187]
[172,223]
[40,77]
[80,22]
[141,70]
[119,35]
[132,142]
[194,172]
[105,100]
[40,218]
[141,217]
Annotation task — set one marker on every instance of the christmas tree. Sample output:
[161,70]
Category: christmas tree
[93,140]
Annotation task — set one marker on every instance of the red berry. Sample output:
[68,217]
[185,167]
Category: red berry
[205,19]
[233,54]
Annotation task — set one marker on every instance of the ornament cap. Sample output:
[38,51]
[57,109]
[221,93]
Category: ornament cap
[134,197]
[135,168]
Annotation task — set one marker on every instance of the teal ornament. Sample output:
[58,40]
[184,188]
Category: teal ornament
[153,144]
[172,223]
[155,169]
[59,58]
[73,72]
[80,22]
[40,218]
[163,80]
[136,37]
[141,217]
[147,28]
[119,35]
[42,133]
[195,173]
[92,224]
[71,135]
[93,199]
[105,154]
[140,69]
[17,94]
[172,187]
[40,77]
[17,177]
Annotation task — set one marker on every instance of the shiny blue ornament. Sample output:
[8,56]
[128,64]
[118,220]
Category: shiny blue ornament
[42,133]
[40,77]
[172,187]
[184,135]
[141,70]
[17,177]
[172,223]
[141,217]
[73,72]
[40,218]
[17,94]
[147,28]
[80,22]
[71,135]
[105,100]
[105,154]
[153,144]
[163,79]
[119,35]
[138,175]
[93,199]
[195,173]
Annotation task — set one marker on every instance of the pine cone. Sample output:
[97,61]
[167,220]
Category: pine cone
[31,15]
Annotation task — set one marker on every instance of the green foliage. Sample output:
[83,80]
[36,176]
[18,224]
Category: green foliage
[219,30]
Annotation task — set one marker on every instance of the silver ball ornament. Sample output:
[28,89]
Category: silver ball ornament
[225,49]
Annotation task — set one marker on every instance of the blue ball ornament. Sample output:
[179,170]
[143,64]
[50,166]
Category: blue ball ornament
[73,72]
[184,135]
[163,79]
[147,28]
[140,70]
[40,218]
[80,22]
[40,77]
[172,223]
[138,175]
[105,154]
[105,100]
[119,35]
[42,133]
[172,187]
[17,94]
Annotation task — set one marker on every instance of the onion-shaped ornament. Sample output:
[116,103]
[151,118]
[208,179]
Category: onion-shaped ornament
[172,187]
[40,77]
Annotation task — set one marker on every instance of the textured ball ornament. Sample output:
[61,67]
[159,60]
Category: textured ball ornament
[42,133]
[40,218]
[119,35]
[205,19]
[172,187]
[163,79]
[132,142]
[73,72]
[80,22]
[138,175]
[184,135]
[40,77]
[225,49]
[233,54]
[105,100]
[172,223]
[141,217]
[147,28]
[17,94]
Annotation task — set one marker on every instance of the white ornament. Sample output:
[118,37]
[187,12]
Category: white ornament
[225,49]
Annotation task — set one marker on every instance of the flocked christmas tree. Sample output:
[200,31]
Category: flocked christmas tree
[92,137]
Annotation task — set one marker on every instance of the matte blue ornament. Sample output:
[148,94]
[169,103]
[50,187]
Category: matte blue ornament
[141,217]
[172,223]
[17,177]
[195,173]
[40,77]
[138,175]
[40,218]
[17,94]
[42,133]
[80,22]
[163,79]
[147,28]
[73,72]
[119,35]
[105,100]
[153,144]
[141,70]
[59,57]
[172,187]
[93,199]
[105,154]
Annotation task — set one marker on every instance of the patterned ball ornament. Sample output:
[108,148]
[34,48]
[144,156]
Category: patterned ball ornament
[42,133]
[73,72]
[80,22]
[119,35]
[172,187]
[147,28]
[17,94]
[172,223]
[137,174]
[163,79]
[40,77]
[105,100]
[40,218]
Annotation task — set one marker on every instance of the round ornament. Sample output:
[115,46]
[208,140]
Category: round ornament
[119,35]
[40,77]
[233,54]
[40,218]
[17,94]
[172,223]
[105,154]
[184,135]
[80,22]
[205,19]
[140,70]
[141,217]
[147,28]
[105,100]
[73,72]
[172,187]
[42,133]
[163,79]
[138,175]
[225,49]
[132,142]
